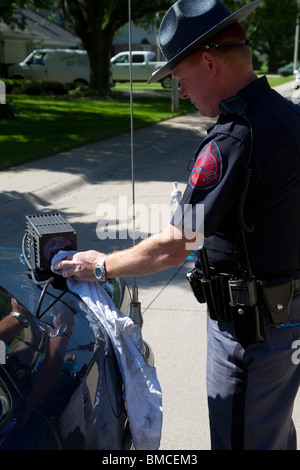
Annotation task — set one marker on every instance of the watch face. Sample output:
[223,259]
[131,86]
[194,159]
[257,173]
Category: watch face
[99,271]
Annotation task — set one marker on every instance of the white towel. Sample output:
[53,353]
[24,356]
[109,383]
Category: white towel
[142,392]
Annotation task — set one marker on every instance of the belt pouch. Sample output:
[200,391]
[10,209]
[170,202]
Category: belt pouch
[248,325]
[222,297]
[207,285]
[212,291]
[217,297]
[194,279]
[276,297]
[247,317]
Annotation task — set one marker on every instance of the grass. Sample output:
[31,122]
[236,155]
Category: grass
[46,125]
[276,80]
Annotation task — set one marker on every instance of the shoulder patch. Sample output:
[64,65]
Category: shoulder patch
[207,169]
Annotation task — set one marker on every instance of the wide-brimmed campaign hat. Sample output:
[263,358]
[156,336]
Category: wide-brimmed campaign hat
[189,24]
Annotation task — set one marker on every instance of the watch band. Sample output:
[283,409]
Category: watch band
[21,318]
[100,272]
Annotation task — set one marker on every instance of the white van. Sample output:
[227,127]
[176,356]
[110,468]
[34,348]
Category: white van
[60,65]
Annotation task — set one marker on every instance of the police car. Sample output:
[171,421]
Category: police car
[60,384]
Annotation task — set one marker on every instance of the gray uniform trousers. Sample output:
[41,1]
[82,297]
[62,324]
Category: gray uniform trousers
[251,391]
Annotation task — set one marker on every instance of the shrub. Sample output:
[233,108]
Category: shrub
[286,70]
[80,90]
[37,87]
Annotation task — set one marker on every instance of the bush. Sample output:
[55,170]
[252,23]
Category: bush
[37,87]
[80,90]
[286,70]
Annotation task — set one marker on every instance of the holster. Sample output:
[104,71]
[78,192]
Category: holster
[275,299]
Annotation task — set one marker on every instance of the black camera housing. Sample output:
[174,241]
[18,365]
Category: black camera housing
[46,235]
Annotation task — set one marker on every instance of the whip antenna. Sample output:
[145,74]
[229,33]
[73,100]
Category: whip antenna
[135,305]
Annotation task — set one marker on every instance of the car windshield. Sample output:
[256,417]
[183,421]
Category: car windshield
[37,58]
[123,59]
[152,57]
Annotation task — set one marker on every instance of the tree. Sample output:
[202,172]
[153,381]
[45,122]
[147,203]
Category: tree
[271,29]
[274,23]
[95,23]
[10,14]
[8,11]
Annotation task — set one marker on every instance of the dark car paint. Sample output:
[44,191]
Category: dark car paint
[60,386]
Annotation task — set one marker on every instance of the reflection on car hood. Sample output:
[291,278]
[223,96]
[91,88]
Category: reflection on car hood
[60,386]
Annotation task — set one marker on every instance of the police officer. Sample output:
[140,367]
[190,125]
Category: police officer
[247,176]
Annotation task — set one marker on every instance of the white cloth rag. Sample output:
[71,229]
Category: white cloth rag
[142,392]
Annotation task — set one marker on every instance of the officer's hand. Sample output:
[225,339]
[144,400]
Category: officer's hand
[80,265]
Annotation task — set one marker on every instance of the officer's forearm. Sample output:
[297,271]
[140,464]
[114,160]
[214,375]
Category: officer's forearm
[156,253]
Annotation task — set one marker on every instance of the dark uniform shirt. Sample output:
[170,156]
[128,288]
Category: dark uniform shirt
[272,204]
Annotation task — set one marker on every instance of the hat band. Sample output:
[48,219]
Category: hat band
[216,45]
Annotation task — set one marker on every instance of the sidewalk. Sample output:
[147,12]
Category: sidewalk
[76,183]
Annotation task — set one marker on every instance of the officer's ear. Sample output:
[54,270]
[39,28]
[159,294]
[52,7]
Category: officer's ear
[209,62]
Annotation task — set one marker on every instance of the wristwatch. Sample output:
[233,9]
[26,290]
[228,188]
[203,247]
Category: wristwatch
[100,269]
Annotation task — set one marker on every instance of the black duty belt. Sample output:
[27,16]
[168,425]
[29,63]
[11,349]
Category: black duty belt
[246,302]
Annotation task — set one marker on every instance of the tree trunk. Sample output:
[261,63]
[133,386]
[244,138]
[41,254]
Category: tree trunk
[272,62]
[99,63]
[96,41]
[98,48]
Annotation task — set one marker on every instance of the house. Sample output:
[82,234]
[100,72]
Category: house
[16,44]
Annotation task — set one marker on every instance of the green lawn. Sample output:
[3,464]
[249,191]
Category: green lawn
[45,125]
[279,80]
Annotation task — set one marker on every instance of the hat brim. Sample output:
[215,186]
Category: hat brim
[236,17]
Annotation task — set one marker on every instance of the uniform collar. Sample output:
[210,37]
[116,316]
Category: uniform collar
[254,88]
[260,85]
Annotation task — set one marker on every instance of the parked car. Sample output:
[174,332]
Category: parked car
[62,65]
[297,79]
[143,65]
[60,384]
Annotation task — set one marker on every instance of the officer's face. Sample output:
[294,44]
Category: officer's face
[197,82]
